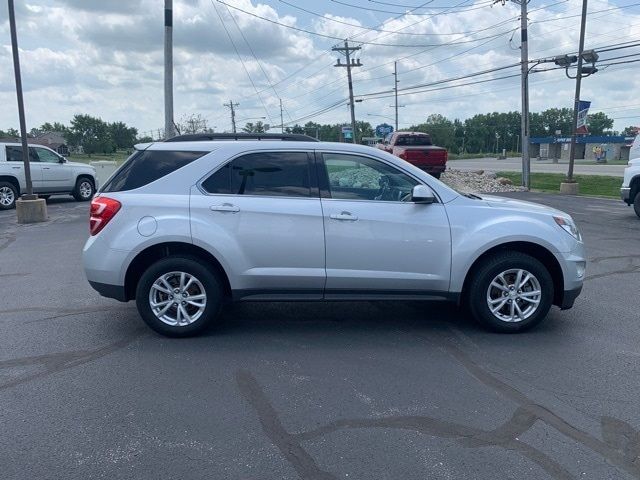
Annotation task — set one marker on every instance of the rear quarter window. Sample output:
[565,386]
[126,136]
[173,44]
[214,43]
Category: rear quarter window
[147,166]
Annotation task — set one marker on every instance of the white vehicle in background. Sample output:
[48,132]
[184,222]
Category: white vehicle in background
[630,191]
[51,174]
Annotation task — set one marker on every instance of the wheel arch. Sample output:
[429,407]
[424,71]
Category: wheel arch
[540,253]
[153,253]
[13,180]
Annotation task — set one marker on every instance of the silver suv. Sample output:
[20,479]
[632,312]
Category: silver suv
[182,227]
[51,174]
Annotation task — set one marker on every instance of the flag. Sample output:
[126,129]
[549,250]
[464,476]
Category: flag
[583,111]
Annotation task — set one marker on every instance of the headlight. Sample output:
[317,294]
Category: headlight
[568,225]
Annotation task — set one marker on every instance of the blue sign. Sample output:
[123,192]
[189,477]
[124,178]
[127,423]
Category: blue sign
[347,132]
[383,130]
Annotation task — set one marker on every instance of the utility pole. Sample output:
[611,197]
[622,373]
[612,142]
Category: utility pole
[524,81]
[168,69]
[395,88]
[232,106]
[576,104]
[524,68]
[23,122]
[350,63]
[281,118]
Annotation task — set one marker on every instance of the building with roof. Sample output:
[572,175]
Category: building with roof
[588,147]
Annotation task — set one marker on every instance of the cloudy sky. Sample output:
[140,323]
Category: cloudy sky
[105,58]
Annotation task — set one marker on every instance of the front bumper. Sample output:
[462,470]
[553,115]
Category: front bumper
[569,298]
[110,291]
[625,193]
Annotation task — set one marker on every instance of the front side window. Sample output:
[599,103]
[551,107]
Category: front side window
[14,154]
[352,177]
[267,173]
[47,156]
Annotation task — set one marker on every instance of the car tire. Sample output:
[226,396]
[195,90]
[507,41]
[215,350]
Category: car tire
[84,189]
[494,286]
[636,204]
[176,319]
[8,195]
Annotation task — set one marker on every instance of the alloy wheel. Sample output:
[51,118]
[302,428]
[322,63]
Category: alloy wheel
[514,295]
[177,299]
[7,196]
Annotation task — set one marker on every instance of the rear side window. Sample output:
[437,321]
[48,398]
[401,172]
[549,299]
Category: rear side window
[415,140]
[269,174]
[14,154]
[148,166]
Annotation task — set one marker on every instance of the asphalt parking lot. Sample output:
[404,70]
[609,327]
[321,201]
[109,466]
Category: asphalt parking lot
[320,391]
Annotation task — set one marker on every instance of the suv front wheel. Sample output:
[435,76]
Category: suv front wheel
[84,190]
[510,292]
[636,204]
[178,296]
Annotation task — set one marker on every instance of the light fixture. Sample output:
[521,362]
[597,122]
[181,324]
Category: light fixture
[590,56]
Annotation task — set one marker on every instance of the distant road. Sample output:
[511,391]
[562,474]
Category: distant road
[514,164]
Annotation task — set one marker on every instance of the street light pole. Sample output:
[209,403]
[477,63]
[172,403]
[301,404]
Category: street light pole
[395,88]
[576,103]
[23,123]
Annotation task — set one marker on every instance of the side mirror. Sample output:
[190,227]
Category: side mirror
[422,194]
[62,160]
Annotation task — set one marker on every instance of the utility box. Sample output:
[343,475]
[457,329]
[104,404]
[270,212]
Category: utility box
[104,169]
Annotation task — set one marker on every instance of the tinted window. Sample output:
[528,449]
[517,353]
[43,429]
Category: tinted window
[14,154]
[268,174]
[416,140]
[147,166]
[360,178]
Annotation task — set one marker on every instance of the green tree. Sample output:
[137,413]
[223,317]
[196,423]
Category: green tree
[90,133]
[121,135]
[599,124]
[257,127]
[630,131]
[440,128]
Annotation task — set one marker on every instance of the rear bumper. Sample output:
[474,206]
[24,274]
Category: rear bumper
[110,291]
[432,168]
[625,193]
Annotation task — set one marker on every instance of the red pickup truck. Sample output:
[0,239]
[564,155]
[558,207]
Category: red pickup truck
[417,149]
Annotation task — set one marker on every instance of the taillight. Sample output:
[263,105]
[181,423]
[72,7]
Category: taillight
[103,209]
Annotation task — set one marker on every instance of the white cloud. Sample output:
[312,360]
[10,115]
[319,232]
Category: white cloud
[105,58]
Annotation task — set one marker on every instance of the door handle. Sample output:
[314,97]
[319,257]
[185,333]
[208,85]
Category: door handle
[46,168]
[225,207]
[344,216]
[17,168]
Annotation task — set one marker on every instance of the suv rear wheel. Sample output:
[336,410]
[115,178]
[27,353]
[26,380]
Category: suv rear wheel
[636,204]
[510,292]
[84,189]
[178,296]
[8,195]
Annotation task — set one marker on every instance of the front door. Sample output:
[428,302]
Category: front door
[377,240]
[56,176]
[261,212]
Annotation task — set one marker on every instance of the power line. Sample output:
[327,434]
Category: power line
[359,7]
[241,61]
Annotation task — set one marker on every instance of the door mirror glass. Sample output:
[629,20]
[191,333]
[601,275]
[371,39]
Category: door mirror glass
[422,194]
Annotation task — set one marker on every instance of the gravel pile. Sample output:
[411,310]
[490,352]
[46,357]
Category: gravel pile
[478,181]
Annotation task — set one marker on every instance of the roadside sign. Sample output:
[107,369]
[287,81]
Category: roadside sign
[347,132]
[383,130]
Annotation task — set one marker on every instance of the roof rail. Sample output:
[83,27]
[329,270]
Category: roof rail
[203,137]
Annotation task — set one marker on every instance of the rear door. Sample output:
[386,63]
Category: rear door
[56,176]
[377,241]
[261,212]
[16,166]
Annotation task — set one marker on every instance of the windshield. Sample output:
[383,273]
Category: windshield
[414,140]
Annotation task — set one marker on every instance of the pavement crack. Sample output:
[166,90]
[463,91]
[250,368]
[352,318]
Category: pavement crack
[287,443]
[57,362]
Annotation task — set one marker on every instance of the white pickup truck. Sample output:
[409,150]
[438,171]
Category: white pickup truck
[51,174]
[630,191]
